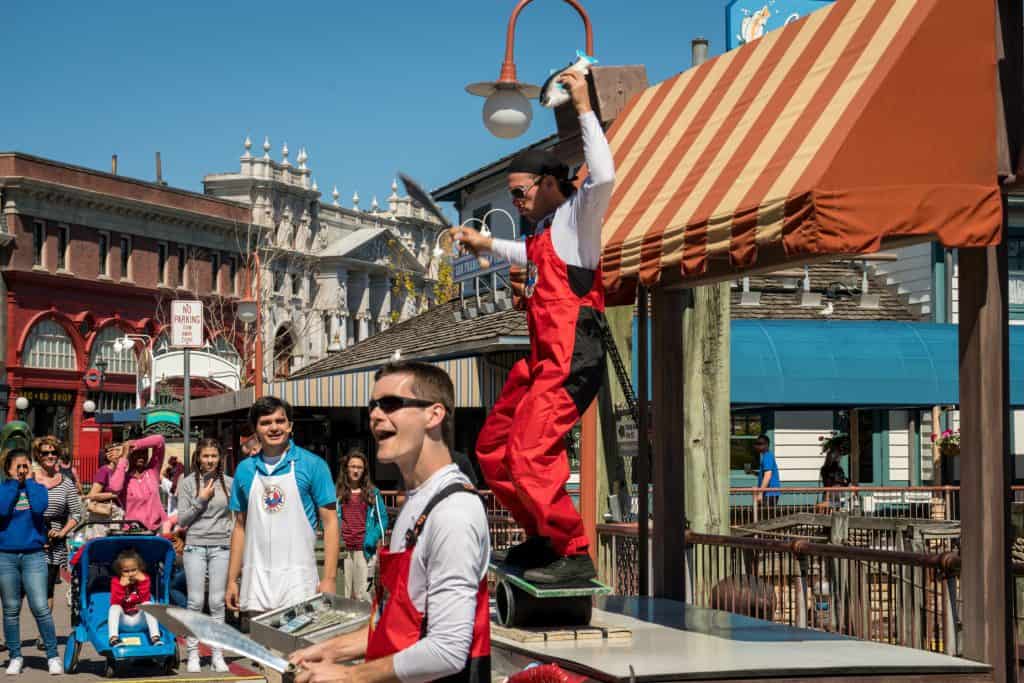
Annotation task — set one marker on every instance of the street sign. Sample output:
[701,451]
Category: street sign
[187,324]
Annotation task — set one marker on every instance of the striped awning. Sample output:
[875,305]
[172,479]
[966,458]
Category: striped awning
[477,384]
[869,123]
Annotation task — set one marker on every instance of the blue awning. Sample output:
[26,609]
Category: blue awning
[849,363]
[119,417]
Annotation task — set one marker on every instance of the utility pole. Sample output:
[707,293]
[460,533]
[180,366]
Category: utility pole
[707,416]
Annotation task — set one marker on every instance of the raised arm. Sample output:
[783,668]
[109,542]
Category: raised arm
[156,442]
[119,477]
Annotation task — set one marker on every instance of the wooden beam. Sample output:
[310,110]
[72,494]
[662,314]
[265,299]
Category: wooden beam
[667,458]
[985,477]
[588,476]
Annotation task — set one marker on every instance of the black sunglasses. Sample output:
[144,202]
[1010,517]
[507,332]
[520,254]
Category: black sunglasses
[520,192]
[390,404]
[47,452]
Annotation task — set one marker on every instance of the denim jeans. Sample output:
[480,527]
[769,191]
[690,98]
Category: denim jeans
[202,563]
[21,575]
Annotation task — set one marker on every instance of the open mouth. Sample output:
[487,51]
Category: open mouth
[383,435]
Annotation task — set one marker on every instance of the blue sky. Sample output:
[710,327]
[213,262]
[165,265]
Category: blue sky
[368,88]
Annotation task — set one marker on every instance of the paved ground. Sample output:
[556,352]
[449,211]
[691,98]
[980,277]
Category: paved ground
[91,666]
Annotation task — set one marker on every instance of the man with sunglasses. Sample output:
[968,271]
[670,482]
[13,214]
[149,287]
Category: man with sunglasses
[431,618]
[521,448]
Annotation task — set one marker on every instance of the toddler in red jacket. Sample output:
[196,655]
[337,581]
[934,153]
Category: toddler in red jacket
[129,588]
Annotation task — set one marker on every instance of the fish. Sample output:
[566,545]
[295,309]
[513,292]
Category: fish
[553,94]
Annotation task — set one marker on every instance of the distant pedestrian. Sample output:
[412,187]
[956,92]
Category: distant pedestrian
[63,510]
[363,519]
[136,479]
[768,481]
[832,475]
[23,535]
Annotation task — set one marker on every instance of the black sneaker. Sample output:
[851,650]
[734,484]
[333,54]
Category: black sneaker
[535,551]
[574,568]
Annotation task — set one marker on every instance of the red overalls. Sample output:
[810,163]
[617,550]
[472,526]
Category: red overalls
[396,624]
[521,448]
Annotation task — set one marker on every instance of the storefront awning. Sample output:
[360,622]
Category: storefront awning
[477,384]
[853,364]
[869,123]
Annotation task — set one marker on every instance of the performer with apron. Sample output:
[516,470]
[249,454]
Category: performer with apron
[430,616]
[279,496]
[521,448]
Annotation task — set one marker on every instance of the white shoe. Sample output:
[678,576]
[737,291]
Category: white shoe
[15,665]
[193,663]
[217,662]
[56,666]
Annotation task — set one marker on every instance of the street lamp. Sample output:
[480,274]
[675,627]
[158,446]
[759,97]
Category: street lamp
[21,403]
[507,111]
[127,343]
[89,406]
[248,311]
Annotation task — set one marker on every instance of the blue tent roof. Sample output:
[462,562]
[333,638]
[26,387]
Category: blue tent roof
[119,417]
[849,363]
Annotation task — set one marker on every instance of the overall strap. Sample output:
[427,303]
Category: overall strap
[413,534]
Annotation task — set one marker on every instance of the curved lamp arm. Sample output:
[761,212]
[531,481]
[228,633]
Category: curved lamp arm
[507,215]
[508,67]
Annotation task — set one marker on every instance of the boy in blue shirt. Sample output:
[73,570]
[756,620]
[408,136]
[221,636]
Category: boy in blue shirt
[279,496]
[767,473]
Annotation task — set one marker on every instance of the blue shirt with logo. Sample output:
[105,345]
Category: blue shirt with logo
[312,476]
[767,462]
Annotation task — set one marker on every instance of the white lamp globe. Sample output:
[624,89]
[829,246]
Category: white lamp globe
[247,310]
[117,346]
[89,406]
[21,403]
[507,113]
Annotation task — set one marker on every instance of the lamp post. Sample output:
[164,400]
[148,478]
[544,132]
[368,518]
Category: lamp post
[126,343]
[249,312]
[507,111]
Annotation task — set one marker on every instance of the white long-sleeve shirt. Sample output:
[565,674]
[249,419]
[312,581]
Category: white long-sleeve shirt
[576,224]
[448,563]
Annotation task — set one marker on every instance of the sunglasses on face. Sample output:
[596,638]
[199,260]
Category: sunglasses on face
[46,453]
[390,404]
[519,193]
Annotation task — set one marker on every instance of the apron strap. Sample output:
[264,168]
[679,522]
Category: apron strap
[413,534]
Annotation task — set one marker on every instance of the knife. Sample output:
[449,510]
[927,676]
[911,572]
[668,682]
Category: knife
[217,634]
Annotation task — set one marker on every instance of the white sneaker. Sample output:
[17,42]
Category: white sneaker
[193,663]
[15,665]
[217,662]
[56,666]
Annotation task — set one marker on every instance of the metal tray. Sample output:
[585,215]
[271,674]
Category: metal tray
[331,616]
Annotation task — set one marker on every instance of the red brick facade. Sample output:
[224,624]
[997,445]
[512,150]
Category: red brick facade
[83,297]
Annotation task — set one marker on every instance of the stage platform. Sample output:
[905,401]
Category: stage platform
[676,642]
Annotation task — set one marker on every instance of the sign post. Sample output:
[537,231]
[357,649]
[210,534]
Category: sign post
[187,334]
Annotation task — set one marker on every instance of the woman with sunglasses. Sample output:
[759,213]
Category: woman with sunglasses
[521,448]
[23,536]
[63,509]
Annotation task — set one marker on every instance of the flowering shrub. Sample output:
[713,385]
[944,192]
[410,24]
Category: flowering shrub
[835,440]
[948,441]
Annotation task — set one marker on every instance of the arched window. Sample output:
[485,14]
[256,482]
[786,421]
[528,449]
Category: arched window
[118,362]
[222,348]
[49,346]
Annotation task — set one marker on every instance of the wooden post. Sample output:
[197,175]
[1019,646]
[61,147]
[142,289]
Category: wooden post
[707,409]
[854,472]
[669,436]
[588,476]
[986,573]
[644,455]
[936,452]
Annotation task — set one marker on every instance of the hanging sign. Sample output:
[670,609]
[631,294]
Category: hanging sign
[187,324]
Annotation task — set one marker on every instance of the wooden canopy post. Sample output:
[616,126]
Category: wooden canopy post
[667,457]
[986,573]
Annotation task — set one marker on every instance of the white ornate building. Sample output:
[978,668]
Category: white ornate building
[331,275]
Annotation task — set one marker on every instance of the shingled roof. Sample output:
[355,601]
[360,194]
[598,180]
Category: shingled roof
[438,332]
[431,334]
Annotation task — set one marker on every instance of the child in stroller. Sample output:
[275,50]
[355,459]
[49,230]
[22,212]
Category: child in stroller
[129,588]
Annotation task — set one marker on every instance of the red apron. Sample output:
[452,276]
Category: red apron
[521,448]
[396,624]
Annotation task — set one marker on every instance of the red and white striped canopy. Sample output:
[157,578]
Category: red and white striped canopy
[867,123]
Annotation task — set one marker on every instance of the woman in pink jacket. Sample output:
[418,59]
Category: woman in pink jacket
[137,480]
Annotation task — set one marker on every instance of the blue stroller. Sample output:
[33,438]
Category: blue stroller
[90,601]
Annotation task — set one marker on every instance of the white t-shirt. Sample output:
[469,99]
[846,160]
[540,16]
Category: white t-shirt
[576,224]
[448,563]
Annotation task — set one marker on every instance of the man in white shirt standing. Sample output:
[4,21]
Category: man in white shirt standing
[431,618]
[521,448]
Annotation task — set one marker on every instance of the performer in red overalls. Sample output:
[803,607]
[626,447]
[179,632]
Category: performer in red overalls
[521,448]
[431,618]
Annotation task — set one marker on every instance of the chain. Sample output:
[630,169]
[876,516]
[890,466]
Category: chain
[620,371]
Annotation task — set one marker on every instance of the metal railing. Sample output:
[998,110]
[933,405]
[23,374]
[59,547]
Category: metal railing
[902,598]
[749,506]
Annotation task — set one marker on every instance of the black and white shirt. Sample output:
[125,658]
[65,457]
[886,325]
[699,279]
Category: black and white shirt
[63,501]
